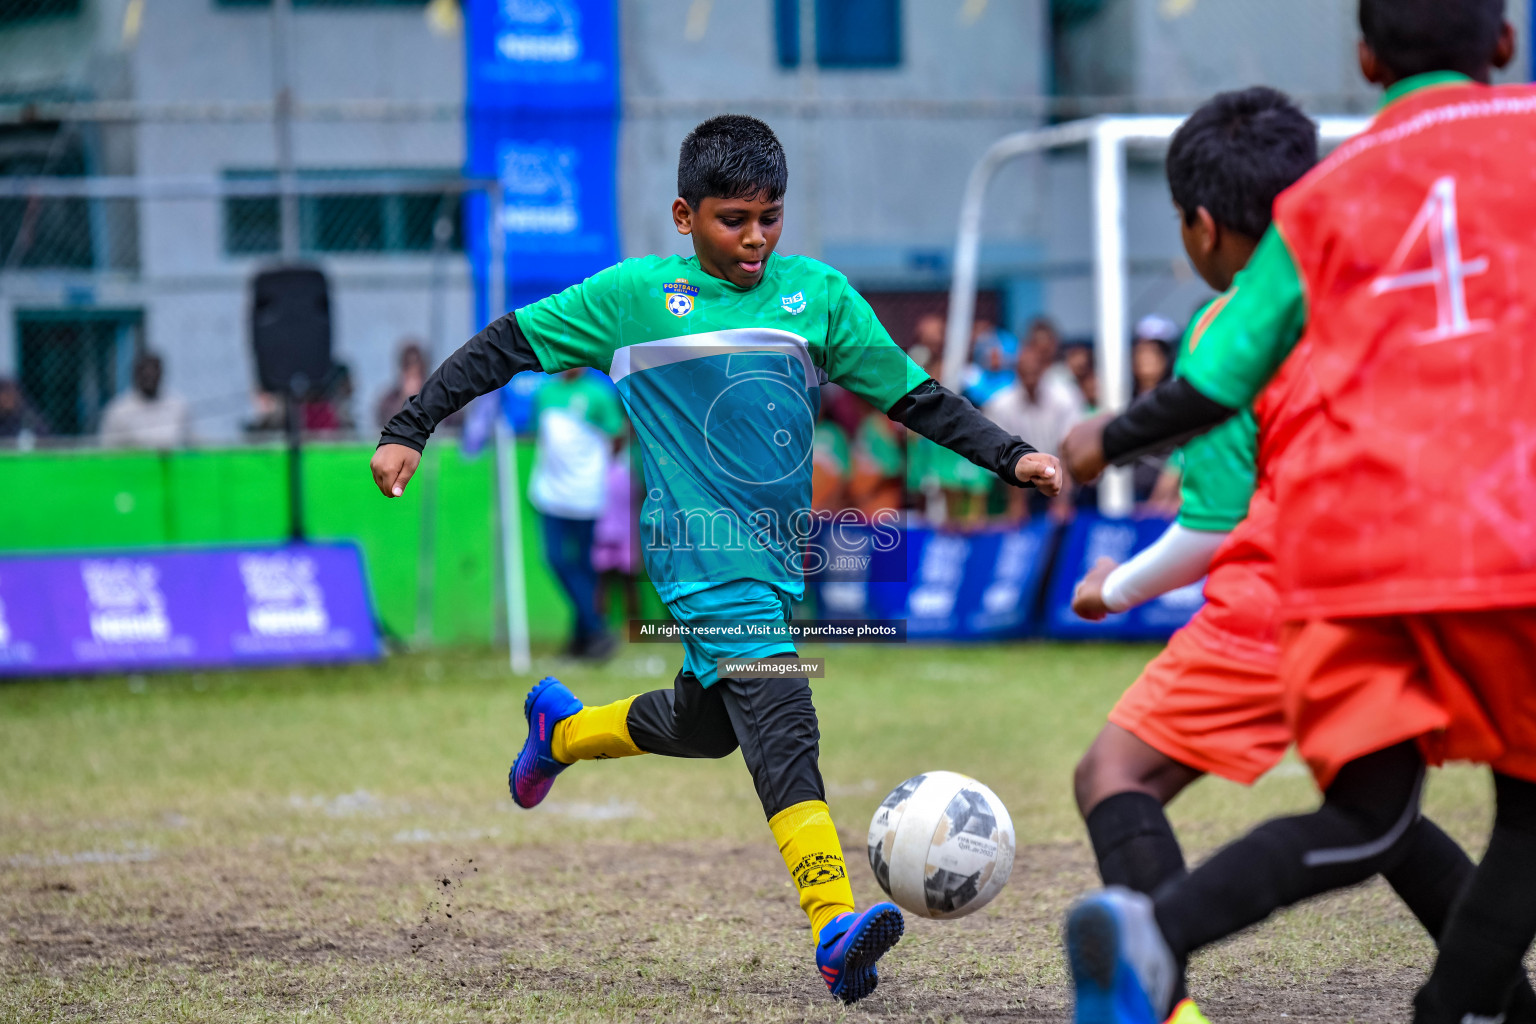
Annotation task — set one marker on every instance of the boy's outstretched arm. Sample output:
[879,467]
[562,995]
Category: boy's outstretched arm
[484,363]
[947,419]
[1159,421]
[1178,558]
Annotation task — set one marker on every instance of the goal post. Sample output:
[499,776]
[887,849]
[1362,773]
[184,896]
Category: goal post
[1107,140]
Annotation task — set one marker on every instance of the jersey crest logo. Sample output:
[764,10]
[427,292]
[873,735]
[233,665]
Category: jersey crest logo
[679,296]
[794,304]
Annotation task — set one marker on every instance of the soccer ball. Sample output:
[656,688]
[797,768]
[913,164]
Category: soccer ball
[941,845]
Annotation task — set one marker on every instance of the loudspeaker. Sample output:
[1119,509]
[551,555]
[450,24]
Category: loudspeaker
[291,329]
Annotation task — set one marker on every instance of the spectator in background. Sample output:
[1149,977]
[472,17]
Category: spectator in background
[615,546]
[1046,339]
[1152,352]
[413,369]
[829,464]
[953,489]
[144,415]
[17,418]
[993,351]
[1078,358]
[1152,363]
[331,413]
[580,426]
[928,334]
[412,361]
[269,415]
[1041,415]
[877,463]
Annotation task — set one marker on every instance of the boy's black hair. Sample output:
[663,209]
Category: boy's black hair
[1236,154]
[731,156]
[1414,36]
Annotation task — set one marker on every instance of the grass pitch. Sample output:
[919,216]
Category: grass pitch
[338,845]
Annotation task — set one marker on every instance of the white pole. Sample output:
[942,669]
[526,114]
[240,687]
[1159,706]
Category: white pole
[282,124]
[509,504]
[1106,162]
[966,272]
[1107,139]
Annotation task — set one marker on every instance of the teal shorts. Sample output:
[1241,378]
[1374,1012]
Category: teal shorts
[740,601]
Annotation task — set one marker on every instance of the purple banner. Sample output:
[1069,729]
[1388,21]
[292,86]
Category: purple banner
[184,609]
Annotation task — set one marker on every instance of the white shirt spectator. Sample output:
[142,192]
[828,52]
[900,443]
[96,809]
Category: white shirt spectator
[1042,418]
[133,421]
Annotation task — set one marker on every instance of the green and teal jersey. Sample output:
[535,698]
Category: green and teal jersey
[1219,467]
[722,385]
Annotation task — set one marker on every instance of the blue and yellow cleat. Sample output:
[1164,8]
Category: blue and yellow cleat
[849,946]
[534,772]
[1122,970]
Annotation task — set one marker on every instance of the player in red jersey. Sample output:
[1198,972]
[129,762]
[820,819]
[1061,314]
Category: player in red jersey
[1406,513]
[1212,702]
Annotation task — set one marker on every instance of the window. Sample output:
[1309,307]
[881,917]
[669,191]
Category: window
[71,362]
[350,222]
[15,12]
[849,33]
[50,233]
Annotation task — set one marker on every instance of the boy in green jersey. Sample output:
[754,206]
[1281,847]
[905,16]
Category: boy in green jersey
[719,358]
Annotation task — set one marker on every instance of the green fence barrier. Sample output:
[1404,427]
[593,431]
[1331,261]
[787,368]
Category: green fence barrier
[94,500]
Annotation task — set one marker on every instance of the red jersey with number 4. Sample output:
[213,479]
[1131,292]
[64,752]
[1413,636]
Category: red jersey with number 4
[1416,245]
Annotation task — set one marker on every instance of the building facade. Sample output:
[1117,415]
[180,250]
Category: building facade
[883,106]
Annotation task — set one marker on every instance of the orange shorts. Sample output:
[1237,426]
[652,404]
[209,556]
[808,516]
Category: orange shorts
[1461,683]
[1208,710]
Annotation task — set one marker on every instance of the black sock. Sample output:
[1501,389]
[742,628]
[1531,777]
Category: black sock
[1430,877]
[1135,847]
[1357,832]
[1492,925]
[1134,843]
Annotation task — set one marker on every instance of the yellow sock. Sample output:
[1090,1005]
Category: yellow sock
[808,843]
[595,733]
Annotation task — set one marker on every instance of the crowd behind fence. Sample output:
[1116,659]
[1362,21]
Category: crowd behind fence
[97,269]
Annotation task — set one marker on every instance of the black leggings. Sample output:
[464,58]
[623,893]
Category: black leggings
[772,720]
[1365,826]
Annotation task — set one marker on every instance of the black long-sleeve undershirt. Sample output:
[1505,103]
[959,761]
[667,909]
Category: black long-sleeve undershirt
[1160,420]
[945,418]
[483,364]
[492,357]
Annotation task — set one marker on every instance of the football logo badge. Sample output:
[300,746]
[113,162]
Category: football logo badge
[679,296]
[794,304]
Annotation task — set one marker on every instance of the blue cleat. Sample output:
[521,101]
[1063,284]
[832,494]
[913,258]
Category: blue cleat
[850,944]
[1122,970]
[534,772]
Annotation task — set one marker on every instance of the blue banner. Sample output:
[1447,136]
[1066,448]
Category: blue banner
[1090,538]
[542,54]
[542,120]
[184,609]
[946,585]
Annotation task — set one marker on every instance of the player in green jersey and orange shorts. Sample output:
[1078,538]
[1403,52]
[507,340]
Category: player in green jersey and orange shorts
[1213,701]
[1399,273]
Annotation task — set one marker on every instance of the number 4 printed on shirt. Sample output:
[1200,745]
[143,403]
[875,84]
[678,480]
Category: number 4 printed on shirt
[1447,273]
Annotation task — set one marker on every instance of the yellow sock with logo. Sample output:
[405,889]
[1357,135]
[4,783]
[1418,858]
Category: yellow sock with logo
[808,842]
[594,734]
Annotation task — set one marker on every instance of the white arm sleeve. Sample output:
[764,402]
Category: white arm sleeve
[1178,558]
